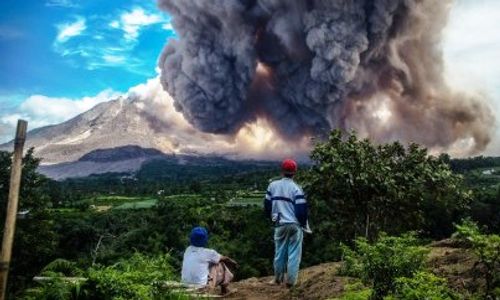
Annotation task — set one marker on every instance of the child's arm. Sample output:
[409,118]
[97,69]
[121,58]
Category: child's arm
[229,261]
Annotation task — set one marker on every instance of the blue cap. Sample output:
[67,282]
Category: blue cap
[199,237]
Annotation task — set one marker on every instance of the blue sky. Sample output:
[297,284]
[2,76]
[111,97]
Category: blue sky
[59,58]
[69,48]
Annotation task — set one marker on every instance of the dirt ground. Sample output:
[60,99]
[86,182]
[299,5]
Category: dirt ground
[317,282]
[320,282]
[457,265]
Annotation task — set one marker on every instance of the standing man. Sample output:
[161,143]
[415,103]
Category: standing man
[286,205]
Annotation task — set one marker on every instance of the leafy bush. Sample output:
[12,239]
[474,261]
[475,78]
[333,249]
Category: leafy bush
[382,262]
[487,249]
[62,267]
[56,289]
[137,278]
[355,291]
[423,285]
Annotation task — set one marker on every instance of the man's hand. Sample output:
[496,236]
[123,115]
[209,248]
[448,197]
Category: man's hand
[306,228]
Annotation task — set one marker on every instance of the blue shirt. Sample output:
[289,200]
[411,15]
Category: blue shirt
[285,202]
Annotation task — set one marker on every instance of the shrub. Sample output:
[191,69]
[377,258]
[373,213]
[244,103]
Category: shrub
[487,249]
[137,278]
[385,260]
[62,267]
[56,289]
[355,291]
[423,285]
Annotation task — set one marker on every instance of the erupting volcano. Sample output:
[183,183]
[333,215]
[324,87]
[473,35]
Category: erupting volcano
[308,66]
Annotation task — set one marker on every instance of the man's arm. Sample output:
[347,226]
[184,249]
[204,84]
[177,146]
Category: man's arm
[268,203]
[301,209]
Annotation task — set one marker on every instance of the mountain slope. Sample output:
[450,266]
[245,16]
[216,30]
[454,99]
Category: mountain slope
[146,117]
[149,163]
[108,125]
[126,159]
[124,121]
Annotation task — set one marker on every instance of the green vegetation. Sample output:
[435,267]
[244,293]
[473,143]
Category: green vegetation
[356,291]
[35,240]
[127,233]
[382,262]
[482,177]
[138,204]
[393,268]
[137,278]
[487,249]
[422,285]
[356,188]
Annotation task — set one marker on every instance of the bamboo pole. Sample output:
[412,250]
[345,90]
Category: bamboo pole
[13,200]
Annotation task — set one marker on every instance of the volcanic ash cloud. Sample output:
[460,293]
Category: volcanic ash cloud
[307,66]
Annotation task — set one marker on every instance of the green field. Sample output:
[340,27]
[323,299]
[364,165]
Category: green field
[113,200]
[138,204]
[245,198]
[106,202]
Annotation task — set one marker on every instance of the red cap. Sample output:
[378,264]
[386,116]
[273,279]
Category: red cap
[289,166]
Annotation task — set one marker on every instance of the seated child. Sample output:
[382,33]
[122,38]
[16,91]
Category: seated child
[203,267]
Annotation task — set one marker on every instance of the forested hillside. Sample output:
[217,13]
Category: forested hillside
[374,208]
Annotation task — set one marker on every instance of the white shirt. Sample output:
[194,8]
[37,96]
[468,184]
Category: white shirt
[284,194]
[196,263]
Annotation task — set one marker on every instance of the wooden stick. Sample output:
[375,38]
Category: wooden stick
[42,279]
[13,200]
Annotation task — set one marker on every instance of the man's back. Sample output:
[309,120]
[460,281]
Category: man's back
[285,202]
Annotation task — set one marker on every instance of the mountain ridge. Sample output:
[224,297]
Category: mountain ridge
[130,159]
[146,117]
[119,122]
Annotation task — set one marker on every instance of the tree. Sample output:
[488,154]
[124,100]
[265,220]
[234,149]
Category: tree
[357,188]
[35,239]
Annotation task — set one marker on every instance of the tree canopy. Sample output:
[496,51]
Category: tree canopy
[357,188]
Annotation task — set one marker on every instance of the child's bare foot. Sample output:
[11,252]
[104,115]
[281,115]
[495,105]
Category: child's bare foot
[225,291]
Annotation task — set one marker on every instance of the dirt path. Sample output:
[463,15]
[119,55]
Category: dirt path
[322,281]
[317,282]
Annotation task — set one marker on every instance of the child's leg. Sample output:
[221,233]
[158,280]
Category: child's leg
[221,276]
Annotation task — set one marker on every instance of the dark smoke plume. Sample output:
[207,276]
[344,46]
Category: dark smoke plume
[309,66]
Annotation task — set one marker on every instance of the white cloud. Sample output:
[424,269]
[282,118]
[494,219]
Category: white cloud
[472,43]
[109,41]
[132,22]
[114,24]
[114,59]
[40,110]
[69,30]
[168,26]
[472,56]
